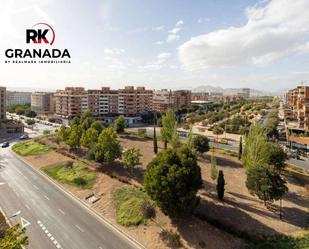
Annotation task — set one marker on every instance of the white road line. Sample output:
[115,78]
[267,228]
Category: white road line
[19,171]
[46,197]
[35,186]
[17,194]
[2,183]
[79,228]
[27,207]
[61,211]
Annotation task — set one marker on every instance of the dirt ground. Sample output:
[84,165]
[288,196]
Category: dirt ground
[239,210]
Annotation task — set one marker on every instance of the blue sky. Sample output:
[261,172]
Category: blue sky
[162,44]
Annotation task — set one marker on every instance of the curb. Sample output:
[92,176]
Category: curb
[82,203]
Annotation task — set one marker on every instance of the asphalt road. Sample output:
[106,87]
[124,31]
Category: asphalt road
[56,220]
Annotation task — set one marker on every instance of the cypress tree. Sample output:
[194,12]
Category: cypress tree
[155,142]
[240,148]
[220,185]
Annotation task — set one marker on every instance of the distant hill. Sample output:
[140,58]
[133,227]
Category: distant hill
[230,91]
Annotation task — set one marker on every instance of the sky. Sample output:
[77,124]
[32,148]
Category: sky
[176,44]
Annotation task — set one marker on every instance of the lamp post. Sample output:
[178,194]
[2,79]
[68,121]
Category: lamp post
[12,216]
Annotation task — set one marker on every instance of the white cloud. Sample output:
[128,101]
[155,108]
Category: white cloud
[172,37]
[164,56]
[159,28]
[159,42]
[159,63]
[179,23]
[277,30]
[113,51]
[173,33]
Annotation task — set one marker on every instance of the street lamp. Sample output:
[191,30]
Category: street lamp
[12,216]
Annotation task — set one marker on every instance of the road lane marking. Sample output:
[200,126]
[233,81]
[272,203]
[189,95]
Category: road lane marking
[27,207]
[49,235]
[24,222]
[2,183]
[61,211]
[35,186]
[46,197]
[19,171]
[79,228]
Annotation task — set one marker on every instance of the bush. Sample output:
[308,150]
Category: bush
[80,181]
[171,238]
[141,131]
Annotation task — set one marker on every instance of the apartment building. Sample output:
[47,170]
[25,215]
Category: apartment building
[68,102]
[182,99]
[21,98]
[2,103]
[103,102]
[297,111]
[163,100]
[43,103]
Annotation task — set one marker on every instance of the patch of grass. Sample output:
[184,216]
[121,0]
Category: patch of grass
[78,175]
[128,201]
[283,242]
[30,148]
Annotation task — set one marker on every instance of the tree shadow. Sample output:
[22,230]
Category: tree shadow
[233,220]
[299,200]
[224,162]
[296,217]
[117,170]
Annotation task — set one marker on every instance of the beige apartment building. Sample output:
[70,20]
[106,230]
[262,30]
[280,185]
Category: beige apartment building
[297,111]
[163,100]
[2,103]
[68,102]
[43,103]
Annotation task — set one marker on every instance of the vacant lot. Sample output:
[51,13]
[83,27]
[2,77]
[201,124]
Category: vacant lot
[77,174]
[30,148]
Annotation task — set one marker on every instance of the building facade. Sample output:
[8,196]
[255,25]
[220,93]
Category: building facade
[21,98]
[182,99]
[2,103]
[68,102]
[163,100]
[297,111]
[43,103]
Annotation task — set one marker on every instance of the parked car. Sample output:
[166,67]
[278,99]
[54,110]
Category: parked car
[23,137]
[5,144]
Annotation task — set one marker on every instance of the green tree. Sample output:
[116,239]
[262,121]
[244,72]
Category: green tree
[266,183]
[64,133]
[13,238]
[175,142]
[240,148]
[217,130]
[200,143]
[276,155]
[168,126]
[220,185]
[190,139]
[98,125]
[131,158]
[255,149]
[213,168]
[20,111]
[172,180]
[120,124]
[85,115]
[86,124]
[75,121]
[89,137]
[74,138]
[30,114]
[108,148]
